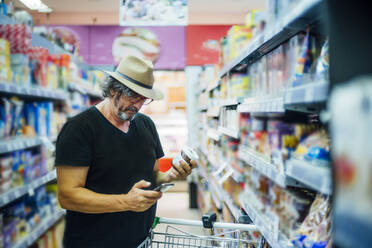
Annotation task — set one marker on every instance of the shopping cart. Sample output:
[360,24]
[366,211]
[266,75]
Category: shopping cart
[176,238]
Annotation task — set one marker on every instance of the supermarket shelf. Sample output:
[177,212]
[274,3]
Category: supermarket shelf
[13,194]
[229,102]
[305,13]
[235,211]
[213,134]
[264,167]
[274,105]
[229,132]
[38,40]
[32,92]
[262,226]
[214,85]
[318,178]
[85,91]
[44,226]
[213,112]
[18,143]
[6,20]
[203,108]
[309,93]
[224,196]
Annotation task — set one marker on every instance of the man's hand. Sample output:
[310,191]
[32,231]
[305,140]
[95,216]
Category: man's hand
[139,200]
[180,170]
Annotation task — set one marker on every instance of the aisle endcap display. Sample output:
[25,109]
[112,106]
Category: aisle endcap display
[40,230]
[275,239]
[251,105]
[276,34]
[316,177]
[308,93]
[32,92]
[16,193]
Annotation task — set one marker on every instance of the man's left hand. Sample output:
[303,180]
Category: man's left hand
[180,170]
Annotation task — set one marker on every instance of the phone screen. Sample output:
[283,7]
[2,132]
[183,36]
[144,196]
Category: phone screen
[164,187]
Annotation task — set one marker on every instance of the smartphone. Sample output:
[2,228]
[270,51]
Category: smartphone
[164,187]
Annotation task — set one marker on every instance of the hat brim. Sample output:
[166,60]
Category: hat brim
[153,93]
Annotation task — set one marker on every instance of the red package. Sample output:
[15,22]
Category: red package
[19,36]
[39,62]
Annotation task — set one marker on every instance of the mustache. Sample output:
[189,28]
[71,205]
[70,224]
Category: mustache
[130,108]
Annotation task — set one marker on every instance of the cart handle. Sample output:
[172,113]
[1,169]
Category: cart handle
[235,226]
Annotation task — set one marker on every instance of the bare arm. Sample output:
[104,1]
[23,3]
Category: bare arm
[73,195]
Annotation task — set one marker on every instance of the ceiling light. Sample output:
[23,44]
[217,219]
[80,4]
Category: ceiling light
[36,5]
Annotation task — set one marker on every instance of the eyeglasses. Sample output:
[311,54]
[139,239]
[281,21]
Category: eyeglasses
[138,98]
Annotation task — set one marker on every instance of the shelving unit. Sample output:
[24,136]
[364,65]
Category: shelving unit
[213,134]
[316,177]
[18,192]
[44,226]
[309,93]
[262,225]
[305,13]
[308,98]
[263,166]
[18,143]
[213,112]
[229,132]
[32,92]
[229,102]
[251,105]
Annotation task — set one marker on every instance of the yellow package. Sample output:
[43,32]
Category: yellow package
[4,60]
[238,38]
[5,74]
[4,46]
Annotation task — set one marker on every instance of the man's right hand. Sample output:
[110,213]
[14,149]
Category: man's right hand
[139,200]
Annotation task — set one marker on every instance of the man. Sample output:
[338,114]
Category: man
[107,164]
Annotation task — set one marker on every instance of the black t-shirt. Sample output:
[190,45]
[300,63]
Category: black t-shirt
[116,161]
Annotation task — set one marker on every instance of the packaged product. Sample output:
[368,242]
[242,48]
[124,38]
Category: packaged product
[322,65]
[315,231]
[21,69]
[4,46]
[38,62]
[238,37]
[18,35]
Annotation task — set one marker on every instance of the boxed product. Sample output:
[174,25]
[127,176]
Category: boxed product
[4,46]
[237,38]
[20,69]
[38,62]
[5,69]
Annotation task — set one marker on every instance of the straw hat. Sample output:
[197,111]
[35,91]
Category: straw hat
[137,74]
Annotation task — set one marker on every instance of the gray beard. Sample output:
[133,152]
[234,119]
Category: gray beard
[124,117]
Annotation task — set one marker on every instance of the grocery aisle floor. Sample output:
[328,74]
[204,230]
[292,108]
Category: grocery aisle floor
[176,205]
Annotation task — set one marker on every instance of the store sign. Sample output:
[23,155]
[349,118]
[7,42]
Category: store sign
[153,12]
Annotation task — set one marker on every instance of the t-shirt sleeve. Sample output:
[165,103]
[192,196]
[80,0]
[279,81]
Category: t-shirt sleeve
[74,145]
[158,149]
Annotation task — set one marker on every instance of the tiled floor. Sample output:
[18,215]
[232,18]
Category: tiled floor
[176,205]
